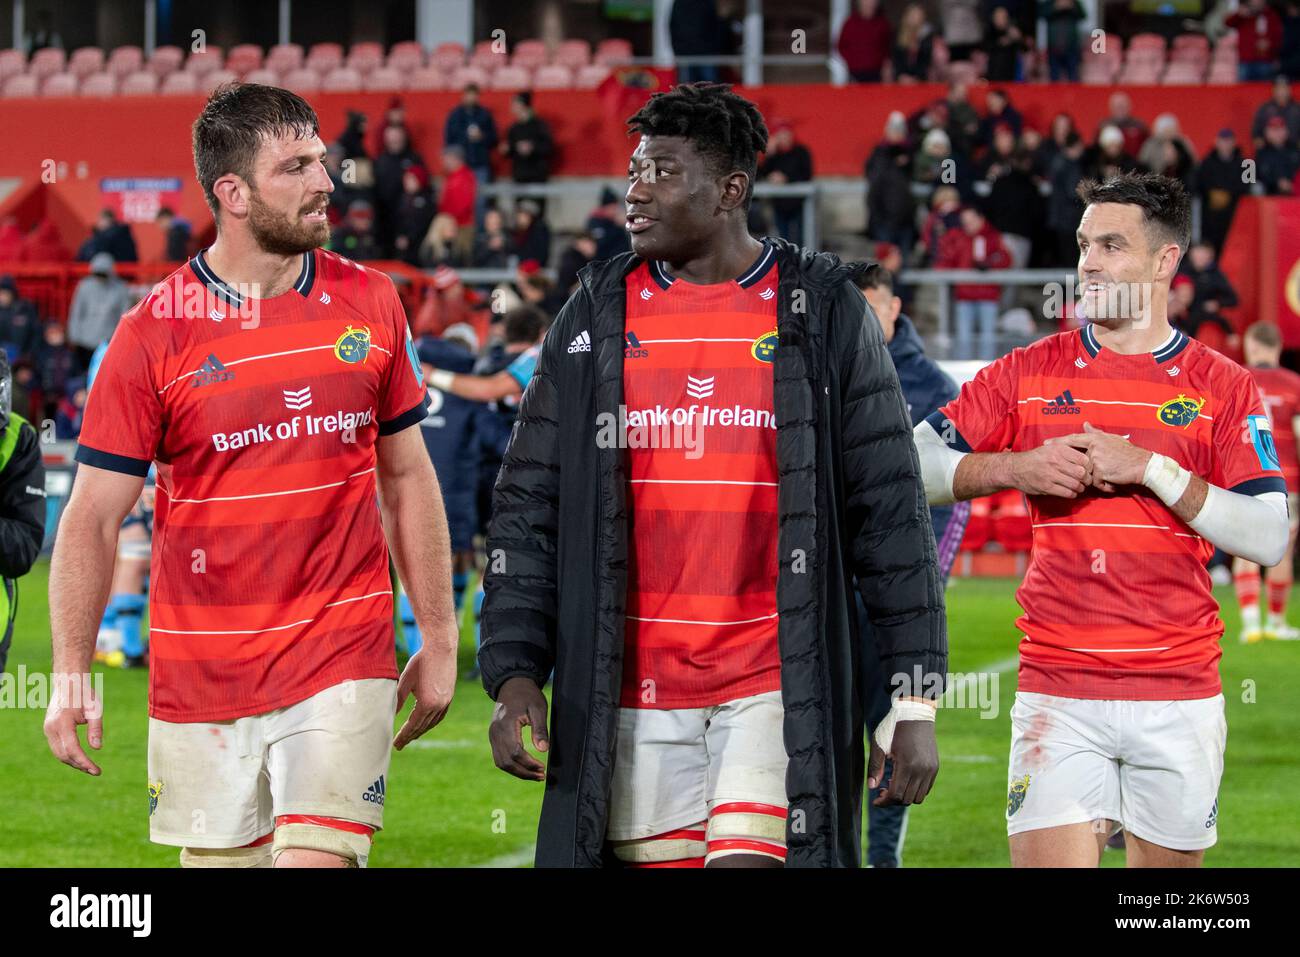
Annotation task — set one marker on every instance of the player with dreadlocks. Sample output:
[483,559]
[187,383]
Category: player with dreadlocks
[688,570]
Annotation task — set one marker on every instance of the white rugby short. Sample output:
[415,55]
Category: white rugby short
[224,784]
[673,766]
[1153,766]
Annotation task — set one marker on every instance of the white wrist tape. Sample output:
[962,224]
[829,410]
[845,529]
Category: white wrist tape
[1166,478]
[441,379]
[901,710]
[938,464]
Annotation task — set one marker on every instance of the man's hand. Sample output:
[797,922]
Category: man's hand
[431,675]
[1112,459]
[1054,468]
[916,764]
[73,703]
[520,702]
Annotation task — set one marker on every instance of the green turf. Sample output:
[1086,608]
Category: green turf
[448,805]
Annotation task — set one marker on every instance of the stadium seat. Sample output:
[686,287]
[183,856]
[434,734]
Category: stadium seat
[216,78]
[406,56]
[364,57]
[448,56]
[264,76]
[590,76]
[341,80]
[1222,74]
[324,57]
[530,54]
[59,84]
[140,83]
[1147,41]
[284,57]
[99,84]
[613,51]
[46,62]
[510,78]
[203,62]
[84,61]
[461,77]
[23,84]
[487,57]
[1183,73]
[1012,527]
[166,60]
[124,60]
[13,62]
[553,77]
[978,526]
[244,58]
[574,54]
[179,83]
[384,79]
[426,78]
[301,81]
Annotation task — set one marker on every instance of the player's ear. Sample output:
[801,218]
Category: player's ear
[1167,264]
[232,193]
[734,187]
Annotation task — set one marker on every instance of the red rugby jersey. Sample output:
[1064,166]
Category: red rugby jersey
[1281,390]
[702,565]
[1117,601]
[269,576]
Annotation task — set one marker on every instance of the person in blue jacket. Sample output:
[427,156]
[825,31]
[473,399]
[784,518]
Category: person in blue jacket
[925,388]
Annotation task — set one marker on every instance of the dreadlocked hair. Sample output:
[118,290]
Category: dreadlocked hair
[726,129]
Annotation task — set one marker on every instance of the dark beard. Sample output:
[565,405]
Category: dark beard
[280,236]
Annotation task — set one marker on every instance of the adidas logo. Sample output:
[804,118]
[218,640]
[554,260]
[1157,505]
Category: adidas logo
[297,400]
[1063,404]
[647,295]
[767,293]
[1080,363]
[699,388]
[632,348]
[1173,370]
[581,342]
[325,297]
[375,793]
[211,371]
[216,315]
[1214,815]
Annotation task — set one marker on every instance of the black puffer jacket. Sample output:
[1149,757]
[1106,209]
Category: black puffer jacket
[850,503]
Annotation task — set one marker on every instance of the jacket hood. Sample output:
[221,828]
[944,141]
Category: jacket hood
[906,342]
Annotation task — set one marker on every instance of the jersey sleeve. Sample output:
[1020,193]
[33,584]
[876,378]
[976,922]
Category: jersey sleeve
[521,370]
[984,415]
[123,422]
[403,399]
[1245,457]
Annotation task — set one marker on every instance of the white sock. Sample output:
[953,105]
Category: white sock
[1250,618]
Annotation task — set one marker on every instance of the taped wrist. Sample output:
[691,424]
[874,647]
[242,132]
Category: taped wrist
[901,710]
[1166,478]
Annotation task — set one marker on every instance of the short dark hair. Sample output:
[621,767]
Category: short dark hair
[726,129]
[875,276]
[234,123]
[524,324]
[1166,210]
[1265,333]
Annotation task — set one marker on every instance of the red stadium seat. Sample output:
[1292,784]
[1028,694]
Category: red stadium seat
[124,60]
[510,78]
[613,52]
[574,54]
[1012,527]
[140,83]
[364,57]
[99,84]
[217,78]
[166,60]
[24,84]
[59,84]
[325,57]
[13,62]
[301,81]
[46,62]
[179,83]
[384,79]
[203,62]
[244,58]
[553,77]
[590,76]
[463,76]
[487,56]
[263,76]
[426,78]
[1147,41]
[978,526]
[85,61]
[341,80]
[284,57]
[407,56]
[448,56]
[530,54]
[1185,74]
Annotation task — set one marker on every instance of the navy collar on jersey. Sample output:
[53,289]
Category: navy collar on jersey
[751,276]
[218,286]
[1171,347]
